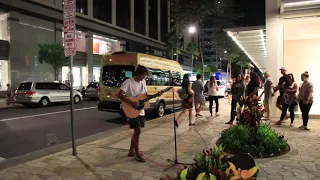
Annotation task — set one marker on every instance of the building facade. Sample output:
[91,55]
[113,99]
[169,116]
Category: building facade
[211,55]
[102,27]
[290,39]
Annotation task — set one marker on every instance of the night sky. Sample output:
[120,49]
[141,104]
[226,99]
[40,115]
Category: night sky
[254,11]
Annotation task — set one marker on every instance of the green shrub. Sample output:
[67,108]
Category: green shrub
[259,141]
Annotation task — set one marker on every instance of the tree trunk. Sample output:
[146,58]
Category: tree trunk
[56,73]
[192,63]
[201,56]
[171,54]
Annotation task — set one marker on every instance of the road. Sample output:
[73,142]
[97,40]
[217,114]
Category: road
[27,130]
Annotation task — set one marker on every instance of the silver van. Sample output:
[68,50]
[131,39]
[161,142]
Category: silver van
[44,93]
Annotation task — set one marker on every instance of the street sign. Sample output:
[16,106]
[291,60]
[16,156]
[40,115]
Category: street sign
[69,27]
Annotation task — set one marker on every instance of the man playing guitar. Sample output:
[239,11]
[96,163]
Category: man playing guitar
[130,88]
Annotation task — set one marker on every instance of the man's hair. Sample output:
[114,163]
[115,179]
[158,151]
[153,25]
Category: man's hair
[140,70]
[198,76]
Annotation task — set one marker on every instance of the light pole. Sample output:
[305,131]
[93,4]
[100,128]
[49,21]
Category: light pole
[228,66]
[192,30]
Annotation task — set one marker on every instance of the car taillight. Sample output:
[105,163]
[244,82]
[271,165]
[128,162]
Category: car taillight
[30,93]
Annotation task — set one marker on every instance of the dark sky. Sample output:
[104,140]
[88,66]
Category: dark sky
[254,11]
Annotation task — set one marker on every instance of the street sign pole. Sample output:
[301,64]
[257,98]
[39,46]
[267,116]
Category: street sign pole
[69,28]
[74,148]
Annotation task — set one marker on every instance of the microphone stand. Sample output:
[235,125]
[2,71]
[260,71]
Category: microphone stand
[175,161]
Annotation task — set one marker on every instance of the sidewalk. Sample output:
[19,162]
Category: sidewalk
[3,104]
[107,158]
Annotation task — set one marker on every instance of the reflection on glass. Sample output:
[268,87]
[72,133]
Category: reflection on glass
[115,75]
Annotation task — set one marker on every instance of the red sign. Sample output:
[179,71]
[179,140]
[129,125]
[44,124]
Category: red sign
[69,27]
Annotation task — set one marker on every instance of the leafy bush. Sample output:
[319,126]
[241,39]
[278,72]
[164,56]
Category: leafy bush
[259,141]
[212,165]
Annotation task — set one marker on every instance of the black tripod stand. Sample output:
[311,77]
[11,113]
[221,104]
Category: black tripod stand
[175,161]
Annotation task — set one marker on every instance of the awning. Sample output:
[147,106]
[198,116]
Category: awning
[294,5]
[252,41]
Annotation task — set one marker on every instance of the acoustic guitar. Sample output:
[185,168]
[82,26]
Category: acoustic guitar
[143,103]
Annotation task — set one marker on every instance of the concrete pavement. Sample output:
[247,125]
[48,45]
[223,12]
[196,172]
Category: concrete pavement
[106,158]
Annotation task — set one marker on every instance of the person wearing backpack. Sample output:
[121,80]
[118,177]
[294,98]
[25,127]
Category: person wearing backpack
[186,94]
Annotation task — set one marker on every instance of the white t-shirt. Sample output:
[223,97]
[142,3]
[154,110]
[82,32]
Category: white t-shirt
[132,88]
[212,91]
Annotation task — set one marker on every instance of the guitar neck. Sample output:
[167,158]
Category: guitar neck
[149,97]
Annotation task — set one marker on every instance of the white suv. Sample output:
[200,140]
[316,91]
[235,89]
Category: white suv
[44,93]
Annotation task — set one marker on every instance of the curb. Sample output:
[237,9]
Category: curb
[14,161]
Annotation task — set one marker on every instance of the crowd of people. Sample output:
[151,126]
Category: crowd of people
[290,96]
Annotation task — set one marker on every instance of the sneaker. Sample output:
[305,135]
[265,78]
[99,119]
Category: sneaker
[131,153]
[217,114]
[301,127]
[139,158]
[229,122]
[291,124]
[306,128]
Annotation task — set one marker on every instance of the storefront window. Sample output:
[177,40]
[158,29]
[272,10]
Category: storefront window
[96,74]
[4,69]
[102,45]
[76,76]
[301,52]
[80,41]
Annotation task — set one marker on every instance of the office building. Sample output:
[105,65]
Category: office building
[210,52]
[103,26]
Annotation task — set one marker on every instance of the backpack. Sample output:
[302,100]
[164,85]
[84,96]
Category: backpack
[182,93]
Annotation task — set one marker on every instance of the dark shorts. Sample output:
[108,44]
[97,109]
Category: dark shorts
[137,122]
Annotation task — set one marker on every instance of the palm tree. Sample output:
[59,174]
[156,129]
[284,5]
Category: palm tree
[193,50]
[243,62]
[173,43]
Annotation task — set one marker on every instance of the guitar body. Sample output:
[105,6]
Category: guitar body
[132,112]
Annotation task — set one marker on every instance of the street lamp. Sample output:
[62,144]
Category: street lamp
[192,29]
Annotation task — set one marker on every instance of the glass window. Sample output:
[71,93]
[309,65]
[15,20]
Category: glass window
[158,77]
[177,75]
[102,45]
[164,19]
[140,16]
[153,20]
[25,86]
[63,87]
[93,85]
[123,13]
[102,10]
[114,76]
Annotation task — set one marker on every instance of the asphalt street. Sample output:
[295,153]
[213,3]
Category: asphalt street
[26,130]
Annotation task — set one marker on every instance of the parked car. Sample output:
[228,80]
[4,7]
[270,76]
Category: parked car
[221,89]
[91,91]
[44,93]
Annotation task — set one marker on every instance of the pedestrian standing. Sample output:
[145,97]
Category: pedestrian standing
[282,79]
[237,90]
[9,95]
[213,96]
[289,89]
[268,90]
[305,99]
[199,99]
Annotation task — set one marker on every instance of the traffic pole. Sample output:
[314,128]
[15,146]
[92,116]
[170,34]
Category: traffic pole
[74,148]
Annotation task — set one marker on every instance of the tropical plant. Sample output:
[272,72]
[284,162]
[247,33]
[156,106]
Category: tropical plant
[53,54]
[173,42]
[241,174]
[243,61]
[212,165]
[251,112]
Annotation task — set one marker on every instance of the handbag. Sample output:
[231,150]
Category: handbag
[182,93]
